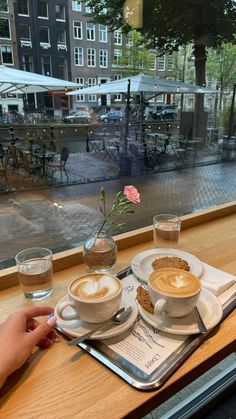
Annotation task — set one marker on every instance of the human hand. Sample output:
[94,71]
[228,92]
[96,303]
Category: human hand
[20,333]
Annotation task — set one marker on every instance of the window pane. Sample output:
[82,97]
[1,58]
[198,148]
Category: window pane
[6,52]
[44,34]
[4,28]
[60,12]
[23,7]
[42,9]
[4,5]
[27,62]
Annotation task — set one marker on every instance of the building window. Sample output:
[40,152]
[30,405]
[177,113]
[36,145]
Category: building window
[80,80]
[62,68]
[91,57]
[152,64]
[92,81]
[118,37]
[90,32]
[79,56]
[102,33]
[161,63]
[23,7]
[61,38]
[170,63]
[4,6]
[24,32]
[44,35]
[103,58]
[46,65]
[4,28]
[60,12]
[129,40]
[118,98]
[117,56]
[42,10]
[78,30]
[76,6]
[88,9]
[6,54]
[27,62]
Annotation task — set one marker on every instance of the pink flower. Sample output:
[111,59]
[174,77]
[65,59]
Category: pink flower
[132,194]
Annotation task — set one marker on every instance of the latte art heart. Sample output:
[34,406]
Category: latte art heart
[96,287]
[176,282]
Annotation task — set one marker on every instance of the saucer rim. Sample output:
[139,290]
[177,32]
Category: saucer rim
[143,276]
[205,294]
[112,332]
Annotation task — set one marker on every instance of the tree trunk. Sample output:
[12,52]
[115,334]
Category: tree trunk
[200,75]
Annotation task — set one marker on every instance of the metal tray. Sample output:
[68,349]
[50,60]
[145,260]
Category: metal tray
[136,377]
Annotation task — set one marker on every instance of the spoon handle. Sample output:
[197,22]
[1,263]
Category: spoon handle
[87,335]
[200,322]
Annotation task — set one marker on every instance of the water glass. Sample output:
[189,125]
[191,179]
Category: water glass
[35,272]
[166,230]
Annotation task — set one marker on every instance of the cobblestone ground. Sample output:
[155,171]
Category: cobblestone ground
[63,216]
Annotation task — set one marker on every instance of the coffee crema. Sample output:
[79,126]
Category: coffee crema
[175,282]
[96,287]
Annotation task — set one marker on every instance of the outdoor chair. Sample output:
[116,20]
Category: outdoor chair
[27,163]
[60,166]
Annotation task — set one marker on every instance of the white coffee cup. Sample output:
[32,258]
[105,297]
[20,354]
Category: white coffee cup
[94,297]
[173,292]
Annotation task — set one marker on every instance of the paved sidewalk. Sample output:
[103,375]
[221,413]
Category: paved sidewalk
[61,217]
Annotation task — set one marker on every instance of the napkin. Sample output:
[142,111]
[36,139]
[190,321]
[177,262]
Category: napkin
[215,280]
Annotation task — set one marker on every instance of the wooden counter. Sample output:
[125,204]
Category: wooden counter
[51,385]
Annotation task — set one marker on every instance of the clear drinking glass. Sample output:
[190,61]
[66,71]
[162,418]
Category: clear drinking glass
[166,230]
[35,272]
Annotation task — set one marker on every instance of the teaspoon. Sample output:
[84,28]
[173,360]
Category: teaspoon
[119,317]
[200,322]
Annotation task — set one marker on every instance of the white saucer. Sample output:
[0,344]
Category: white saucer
[77,328]
[209,306]
[142,263]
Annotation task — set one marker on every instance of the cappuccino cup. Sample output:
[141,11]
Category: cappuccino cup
[173,292]
[93,297]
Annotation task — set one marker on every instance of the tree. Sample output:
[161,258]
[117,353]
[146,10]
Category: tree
[221,66]
[135,57]
[169,24]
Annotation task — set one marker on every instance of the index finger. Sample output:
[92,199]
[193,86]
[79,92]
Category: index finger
[37,311]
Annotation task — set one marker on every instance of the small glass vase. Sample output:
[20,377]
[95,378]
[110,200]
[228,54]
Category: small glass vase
[100,252]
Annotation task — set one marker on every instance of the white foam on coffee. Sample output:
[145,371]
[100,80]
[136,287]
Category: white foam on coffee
[103,287]
[179,282]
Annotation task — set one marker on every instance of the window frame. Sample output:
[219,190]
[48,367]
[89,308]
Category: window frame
[90,31]
[79,54]
[89,55]
[5,11]
[12,56]
[77,8]
[103,33]
[64,13]
[76,27]
[9,27]
[118,36]
[80,98]
[43,17]
[25,14]
[103,58]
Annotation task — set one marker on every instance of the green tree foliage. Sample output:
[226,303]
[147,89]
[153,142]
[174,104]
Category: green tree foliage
[169,24]
[135,57]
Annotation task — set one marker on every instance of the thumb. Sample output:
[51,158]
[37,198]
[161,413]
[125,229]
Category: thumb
[42,330]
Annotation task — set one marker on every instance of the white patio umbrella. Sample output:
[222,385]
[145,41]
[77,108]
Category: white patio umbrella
[17,81]
[142,83]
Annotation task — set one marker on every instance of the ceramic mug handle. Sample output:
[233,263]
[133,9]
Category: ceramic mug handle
[62,307]
[159,307]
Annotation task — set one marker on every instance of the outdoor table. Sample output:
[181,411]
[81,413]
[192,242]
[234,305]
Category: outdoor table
[51,384]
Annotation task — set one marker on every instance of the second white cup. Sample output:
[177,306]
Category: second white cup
[93,297]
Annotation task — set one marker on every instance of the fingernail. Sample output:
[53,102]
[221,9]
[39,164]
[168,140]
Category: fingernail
[52,321]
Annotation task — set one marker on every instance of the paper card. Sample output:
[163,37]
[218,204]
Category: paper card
[143,345]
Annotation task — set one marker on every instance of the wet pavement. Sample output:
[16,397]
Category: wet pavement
[61,217]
